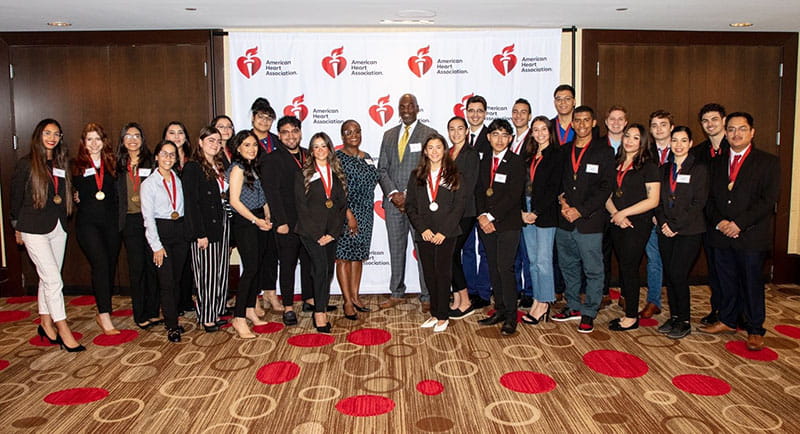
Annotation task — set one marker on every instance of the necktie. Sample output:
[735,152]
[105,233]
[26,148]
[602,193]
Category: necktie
[664,155]
[401,145]
[734,164]
[472,140]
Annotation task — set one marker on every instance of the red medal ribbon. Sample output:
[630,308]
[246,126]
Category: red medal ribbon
[99,175]
[713,151]
[673,179]
[329,185]
[434,189]
[55,183]
[562,139]
[302,160]
[576,164]
[495,165]
[534,165]
[135,179]
[173,198]
[736,164]
[221,181]
[621,172]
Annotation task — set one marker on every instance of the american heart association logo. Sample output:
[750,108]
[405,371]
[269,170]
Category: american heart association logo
[460,108]
[505,62]
[421,63]
[381,112]
[297,108]
[334,64]
[248,64]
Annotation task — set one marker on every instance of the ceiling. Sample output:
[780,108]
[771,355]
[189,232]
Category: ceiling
[766,15]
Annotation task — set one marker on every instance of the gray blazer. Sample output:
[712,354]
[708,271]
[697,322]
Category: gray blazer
[394,173]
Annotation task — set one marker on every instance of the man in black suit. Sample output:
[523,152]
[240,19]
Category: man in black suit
[476,116]
[586,186]
[744,191]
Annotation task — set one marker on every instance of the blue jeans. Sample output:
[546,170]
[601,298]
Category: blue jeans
[581,254]
[522,269]
[655,270]
[477,274]
[539,243]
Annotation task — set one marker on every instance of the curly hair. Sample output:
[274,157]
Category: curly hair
[310,166]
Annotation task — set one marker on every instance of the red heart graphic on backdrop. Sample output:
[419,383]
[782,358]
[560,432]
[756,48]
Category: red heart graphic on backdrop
[335,63]
[506,61]
[459,108]
[297,108]
[414,254]
[378,207]
[381,113]
[420,64]
[248,64]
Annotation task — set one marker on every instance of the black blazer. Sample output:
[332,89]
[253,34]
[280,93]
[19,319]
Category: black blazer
[702,151]
[543,190]
[91,210]
[446,219]
[314,219]
[203,208]
[467,162]
[122,189]
[481,141]
[276,143]
[751,203]
[684,212]
[26,218]
[588,192]
[278,171]
[505,202]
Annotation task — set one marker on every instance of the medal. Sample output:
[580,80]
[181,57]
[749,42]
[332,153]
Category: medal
[174,215]
[99,195]
[173,197]
[489,192]
[99,174]
[576,163]
[135,198]
[618,193]
[495,165]
[433,189]
[326,186]
[736,164]
[730,186]
[328,204]
[57,199]
[136,180]
[433,206]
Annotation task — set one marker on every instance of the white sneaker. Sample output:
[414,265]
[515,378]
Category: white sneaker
[441,327]
[430,322]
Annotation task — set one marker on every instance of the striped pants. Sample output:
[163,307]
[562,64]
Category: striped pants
[210,268]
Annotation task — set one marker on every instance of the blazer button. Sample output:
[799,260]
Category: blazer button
[213,221]
[729,202]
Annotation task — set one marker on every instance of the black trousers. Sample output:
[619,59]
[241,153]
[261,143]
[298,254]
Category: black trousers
[290,249]
[252,245]
[268,274]
[100,243]
[501,250]
[678,255]
[322,266]
[173,238]
[629,246]
[607,250]
[436,269]
[742,288]
[713,279]
[459,281]
[142,271]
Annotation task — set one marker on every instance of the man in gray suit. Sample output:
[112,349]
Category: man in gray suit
[400,152]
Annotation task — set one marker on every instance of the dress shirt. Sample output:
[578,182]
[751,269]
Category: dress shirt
[156,204]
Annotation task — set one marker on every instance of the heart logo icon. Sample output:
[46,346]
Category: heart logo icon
[505,62]
[334,64]
[378,207]
[296,108]
[381,112]
[248,64]
[421,63]
[460,108]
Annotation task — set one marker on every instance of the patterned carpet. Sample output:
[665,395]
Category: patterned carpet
[384,374]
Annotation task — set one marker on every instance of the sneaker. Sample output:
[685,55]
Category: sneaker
[668,325]
[566,315]
[586,325]
[680,330]
[458,313]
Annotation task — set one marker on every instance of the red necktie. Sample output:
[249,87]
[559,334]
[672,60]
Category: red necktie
[664,155]
[735,163]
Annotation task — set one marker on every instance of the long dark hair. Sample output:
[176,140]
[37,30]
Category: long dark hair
[41,174]
[450,174]
[123,157]
[250,167]
[309,167]
[185,147]
[83,160]
[210,171]
[643,154]
[531,146]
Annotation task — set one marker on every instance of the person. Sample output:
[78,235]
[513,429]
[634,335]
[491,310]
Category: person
[277,173]
[522,273]
[40,204]
[564,102]
[616,121]
[163,211]
[207,224]
[476,116]
[321,196]
[712,119]
[224,124]
[521,118]
[466,159]
[540,214]
[501,181]
[352,248]
[435,204]
[586,184]
[94,172]
[400,152]
[631,205]
[742,197]
[680,221]
[251,222]
[135,163]
[262,115]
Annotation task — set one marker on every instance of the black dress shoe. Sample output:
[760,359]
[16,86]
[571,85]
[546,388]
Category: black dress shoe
[362,309]
[290,318]
[174,335]
[221,322]
[509,327]
[492,320]
[211,328]
[323,329]
[616,326]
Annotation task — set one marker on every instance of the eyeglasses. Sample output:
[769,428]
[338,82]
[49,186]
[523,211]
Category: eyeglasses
[52,134]
[497,134]
[133,136]
[348,133]
[264,117]
[165,154]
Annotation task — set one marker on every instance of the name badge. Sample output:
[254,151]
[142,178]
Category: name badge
[592,168]
[314,177]
[684,179]
[500,177]
[480,155]
[59,172]
[370,161]
[415,147]
[89,172]
[145,172]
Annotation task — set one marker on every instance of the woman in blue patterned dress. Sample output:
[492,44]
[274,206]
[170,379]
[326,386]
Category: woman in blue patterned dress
[353,248]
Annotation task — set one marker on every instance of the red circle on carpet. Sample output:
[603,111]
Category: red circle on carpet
[38,341]
[311,340]
[122,312]
[648,322]
[527,382]
[615,363]
[84,300]
[21,300]
[112,340]
[430,387]
[788,330]
[80,395]
[701,385]
[270,327]
[365,405]
[367,337]
[13,315]
[4,364]
[740,349]
[278,372]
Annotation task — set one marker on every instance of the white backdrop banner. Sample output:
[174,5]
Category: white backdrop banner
[327,78]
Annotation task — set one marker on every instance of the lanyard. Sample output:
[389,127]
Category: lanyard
[576,164]
[736,165]
[173,198]
[99,175]
[495,165]
[673,178]
[621,172]
[327,186]
[562,139]
[433,189]
[535,165]
[302,159]
[135,179]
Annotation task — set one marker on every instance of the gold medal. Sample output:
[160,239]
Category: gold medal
[135,198]
[328,203]
[57,199]
[99,195]
[489,192]
[574,176]
[618,193]
[174,215]
[730,186]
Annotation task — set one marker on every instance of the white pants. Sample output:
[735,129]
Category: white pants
[47,253]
